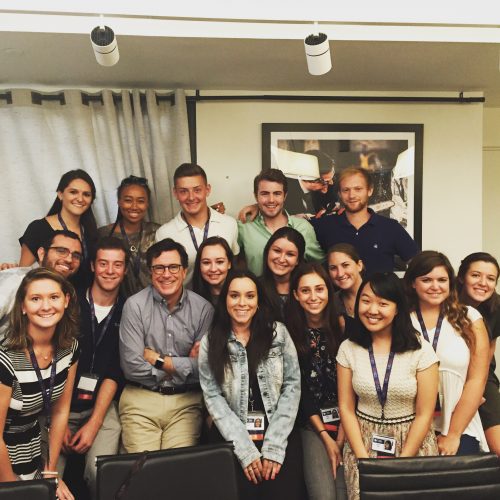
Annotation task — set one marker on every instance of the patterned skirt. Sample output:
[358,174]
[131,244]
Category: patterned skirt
[397,431]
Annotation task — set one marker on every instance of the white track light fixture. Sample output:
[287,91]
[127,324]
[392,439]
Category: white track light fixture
[318,56]
[104,44]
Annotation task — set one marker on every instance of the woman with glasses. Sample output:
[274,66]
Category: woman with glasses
[133,202]
[387,380]
[477,278]
[458,336]
[38,361]
[250,378]
[313,325]
[71,210]
[213,261]
[283,252]
[346,272]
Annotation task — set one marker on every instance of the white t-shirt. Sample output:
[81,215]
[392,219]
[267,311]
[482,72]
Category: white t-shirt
[220,225]
[454,358]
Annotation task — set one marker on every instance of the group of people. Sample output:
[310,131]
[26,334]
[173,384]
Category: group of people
[293,340]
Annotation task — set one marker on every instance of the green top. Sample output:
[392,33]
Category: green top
[253,236]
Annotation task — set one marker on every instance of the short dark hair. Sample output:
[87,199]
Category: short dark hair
[189,170]
[404,335]
[59,232]
[325,162]
[166,245]
[111,243]
[271,175]
[350,171]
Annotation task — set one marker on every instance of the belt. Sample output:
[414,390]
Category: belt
[168,390]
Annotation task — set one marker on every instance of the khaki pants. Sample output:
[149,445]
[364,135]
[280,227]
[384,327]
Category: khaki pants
[153,421]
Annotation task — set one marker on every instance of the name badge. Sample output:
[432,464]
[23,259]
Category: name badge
[256,425]
[331,418]
[86,386]
[385,446]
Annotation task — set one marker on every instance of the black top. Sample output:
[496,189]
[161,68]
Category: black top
[319,376]
[107,357]
[493,327]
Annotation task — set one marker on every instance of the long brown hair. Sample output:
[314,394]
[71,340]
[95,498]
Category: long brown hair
[17,337]
[456,313]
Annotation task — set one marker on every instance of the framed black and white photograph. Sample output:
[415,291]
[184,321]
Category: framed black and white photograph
[311,155]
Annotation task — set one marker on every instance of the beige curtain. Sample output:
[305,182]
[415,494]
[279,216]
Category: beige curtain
[110,140]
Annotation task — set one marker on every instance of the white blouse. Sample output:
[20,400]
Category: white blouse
[454,358]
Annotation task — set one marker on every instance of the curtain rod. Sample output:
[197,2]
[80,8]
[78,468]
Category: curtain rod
[335,98]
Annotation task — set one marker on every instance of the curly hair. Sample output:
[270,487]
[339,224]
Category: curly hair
[456,313]
[17,337]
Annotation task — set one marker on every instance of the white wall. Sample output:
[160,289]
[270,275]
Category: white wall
[229,148]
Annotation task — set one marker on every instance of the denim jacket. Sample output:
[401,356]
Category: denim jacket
[278,377]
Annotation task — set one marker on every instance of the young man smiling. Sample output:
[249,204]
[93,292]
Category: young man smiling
[270,190]
[159,336]
[94,426]
[195,222]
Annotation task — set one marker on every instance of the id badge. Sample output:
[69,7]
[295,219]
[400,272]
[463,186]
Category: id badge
[331,418]
[86,386]
[256,425]
[385,446]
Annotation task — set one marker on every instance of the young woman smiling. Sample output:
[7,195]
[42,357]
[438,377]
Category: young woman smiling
[72,209]
[283,252]
[346,272]
[387,380]
[214,259]
[250,378]
[313,324]
[133,202]
[477,278]
[37,369]
[459,337]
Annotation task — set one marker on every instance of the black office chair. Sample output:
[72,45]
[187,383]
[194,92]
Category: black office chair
[440,478]
[38,489]
[182,473]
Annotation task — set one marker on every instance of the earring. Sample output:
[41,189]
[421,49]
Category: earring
[24,313]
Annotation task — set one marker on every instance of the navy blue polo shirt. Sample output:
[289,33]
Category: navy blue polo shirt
[378,241]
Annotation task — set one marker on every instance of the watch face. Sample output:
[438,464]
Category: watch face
[159,363]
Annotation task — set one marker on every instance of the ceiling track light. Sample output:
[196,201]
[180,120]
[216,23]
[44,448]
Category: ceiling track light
[317,47]
[104,44]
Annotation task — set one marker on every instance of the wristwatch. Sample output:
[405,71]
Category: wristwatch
[159,363]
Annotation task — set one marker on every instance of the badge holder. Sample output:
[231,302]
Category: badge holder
[256,425]
[385,446]
[331,418]
[86,386]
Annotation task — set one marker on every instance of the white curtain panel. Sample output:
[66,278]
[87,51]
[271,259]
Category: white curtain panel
[39,142]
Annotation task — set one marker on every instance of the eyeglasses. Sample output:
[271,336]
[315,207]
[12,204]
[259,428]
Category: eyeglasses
[64,252]
[132,179]
[159,269]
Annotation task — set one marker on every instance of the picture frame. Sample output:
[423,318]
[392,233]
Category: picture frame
[393,153]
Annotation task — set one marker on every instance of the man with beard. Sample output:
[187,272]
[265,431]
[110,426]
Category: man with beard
[62,253]
[270,190]
[378,239]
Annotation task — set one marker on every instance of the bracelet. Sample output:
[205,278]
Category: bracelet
[50,473]
[322,430]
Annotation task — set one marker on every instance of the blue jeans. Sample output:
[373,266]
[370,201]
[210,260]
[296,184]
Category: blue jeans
[469,445]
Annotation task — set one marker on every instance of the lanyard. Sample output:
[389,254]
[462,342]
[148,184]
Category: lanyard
[381,391]
[82,231]
[46,392]
[135,251]
[191,231]
[93,321]
[424,329]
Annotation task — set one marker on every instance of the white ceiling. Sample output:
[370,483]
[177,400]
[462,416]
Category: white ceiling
[65,59]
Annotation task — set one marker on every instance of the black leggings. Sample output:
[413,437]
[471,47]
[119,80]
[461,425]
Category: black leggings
[288,484]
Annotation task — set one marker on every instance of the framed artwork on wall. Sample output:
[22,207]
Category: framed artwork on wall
[311,155]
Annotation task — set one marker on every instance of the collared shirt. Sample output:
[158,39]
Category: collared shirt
[147,322]
[106,360]
[378,241]
[220,225]
[253,236]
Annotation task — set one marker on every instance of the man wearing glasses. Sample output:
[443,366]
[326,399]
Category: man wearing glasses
[62,253]
[160,331]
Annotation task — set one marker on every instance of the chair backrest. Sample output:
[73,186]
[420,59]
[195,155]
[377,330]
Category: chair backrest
[443,478]
[39,489]
[189,473]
